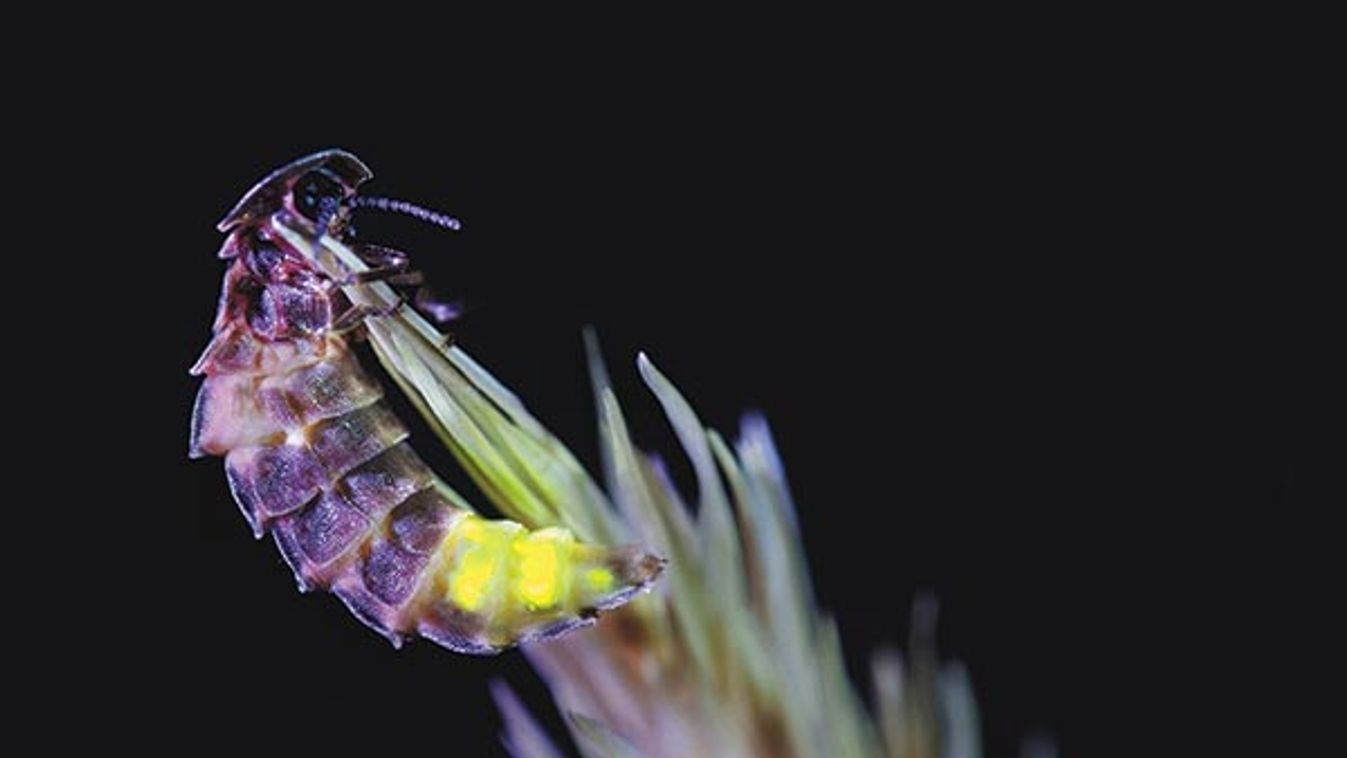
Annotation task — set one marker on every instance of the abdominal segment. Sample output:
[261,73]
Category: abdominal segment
[314,457]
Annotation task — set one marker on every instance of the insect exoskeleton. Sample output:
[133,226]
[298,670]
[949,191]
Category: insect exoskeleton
[314,456]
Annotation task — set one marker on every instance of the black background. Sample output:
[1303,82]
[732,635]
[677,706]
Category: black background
[1002,361]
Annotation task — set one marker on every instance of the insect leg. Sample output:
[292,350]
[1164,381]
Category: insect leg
[380,256]
[352,318]
[383,258]
[394,276]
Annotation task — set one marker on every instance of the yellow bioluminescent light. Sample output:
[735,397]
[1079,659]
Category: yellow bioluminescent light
[472,529]
[543,558]
[470,582]
[539,570]
[481,553]
[599,579]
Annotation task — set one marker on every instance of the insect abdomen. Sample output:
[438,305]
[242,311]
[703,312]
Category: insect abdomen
[315,457]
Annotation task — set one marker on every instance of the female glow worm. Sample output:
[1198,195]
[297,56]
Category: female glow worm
[314,456]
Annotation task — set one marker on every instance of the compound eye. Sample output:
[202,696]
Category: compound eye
[310,191]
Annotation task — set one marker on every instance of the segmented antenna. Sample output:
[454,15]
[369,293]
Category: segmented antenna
[410,209]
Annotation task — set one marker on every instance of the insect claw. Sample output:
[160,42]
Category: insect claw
[439,310]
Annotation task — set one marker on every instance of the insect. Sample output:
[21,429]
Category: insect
[314,457]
